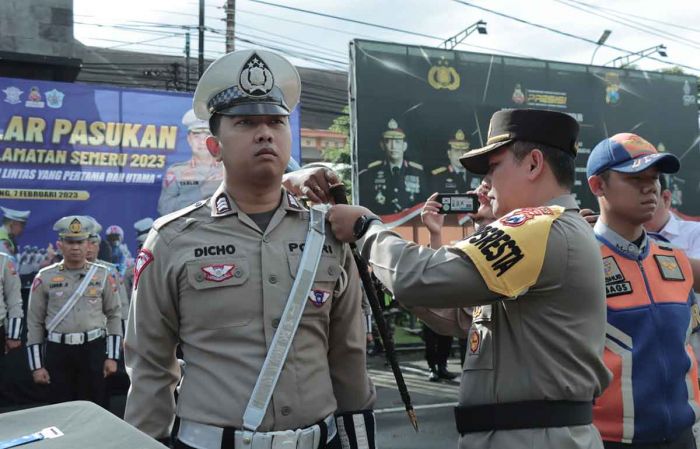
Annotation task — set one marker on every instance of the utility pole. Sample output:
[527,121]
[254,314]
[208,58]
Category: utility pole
[201,39]
[230,25]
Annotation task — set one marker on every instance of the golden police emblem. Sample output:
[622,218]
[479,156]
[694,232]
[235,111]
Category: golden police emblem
[75,226]
[442,76]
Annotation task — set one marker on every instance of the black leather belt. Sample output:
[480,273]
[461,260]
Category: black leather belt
[523,415]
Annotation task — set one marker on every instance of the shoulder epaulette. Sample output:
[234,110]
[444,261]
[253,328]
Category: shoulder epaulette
[415,165]
[439,170]
[374,164]
[47,268]
[165,219]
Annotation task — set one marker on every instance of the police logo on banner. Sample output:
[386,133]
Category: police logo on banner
[218,272]
[54,98]
[319,297]
[12,94]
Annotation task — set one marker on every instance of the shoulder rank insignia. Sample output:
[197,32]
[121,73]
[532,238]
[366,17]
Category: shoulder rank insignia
[374,164]
[438,170]
[415,165]
[509,253]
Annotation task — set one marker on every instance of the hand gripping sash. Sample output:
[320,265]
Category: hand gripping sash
[68,306]
[282,341]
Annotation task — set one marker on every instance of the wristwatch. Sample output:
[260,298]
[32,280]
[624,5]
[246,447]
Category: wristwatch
[362,224]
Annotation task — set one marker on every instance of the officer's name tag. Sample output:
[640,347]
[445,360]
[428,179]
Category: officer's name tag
[297,248]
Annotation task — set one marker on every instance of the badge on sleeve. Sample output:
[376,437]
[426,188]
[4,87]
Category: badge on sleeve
[144,258]
[11,267]
[36,283]
[509,253]
[669,268]
[319,297]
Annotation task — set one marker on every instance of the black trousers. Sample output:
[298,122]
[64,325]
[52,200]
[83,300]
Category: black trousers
[685,441]
[333,444]
[76,371]
[437,348]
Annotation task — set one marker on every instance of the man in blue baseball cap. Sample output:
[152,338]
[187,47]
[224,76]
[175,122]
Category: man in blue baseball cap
[653,397]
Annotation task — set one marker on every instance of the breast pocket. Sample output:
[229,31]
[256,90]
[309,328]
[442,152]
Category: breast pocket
[220,294]
[480,342]
[321,294]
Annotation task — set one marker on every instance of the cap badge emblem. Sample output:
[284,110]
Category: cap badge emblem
[75,226]
[256,78]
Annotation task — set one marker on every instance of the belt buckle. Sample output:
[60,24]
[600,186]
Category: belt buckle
[75,339]
[285,439]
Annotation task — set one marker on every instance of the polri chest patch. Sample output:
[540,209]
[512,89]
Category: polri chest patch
[669,268]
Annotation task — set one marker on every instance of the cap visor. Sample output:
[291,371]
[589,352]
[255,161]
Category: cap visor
[477,161]
[665,163]
[254,109]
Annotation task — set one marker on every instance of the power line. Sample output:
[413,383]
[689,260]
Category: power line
[345,19]
[564,33]
[674,25]
[631,24]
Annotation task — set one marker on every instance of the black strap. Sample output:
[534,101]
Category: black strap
[228,438]
[523,415]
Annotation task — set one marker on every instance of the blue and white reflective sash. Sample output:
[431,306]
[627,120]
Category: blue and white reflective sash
[45,434]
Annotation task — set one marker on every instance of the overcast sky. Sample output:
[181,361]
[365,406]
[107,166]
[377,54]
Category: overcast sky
[322,42]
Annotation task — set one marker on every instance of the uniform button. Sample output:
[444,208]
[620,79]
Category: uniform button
[286,410]
[275,323]
[199,277]
[237,273]
[396,189]
[331,270]
[266,239]
[272,279]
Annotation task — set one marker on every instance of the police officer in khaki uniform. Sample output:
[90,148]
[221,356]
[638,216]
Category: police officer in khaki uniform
[214,278]
[70,304]
[392,184]
[194,179]
[453,177]
[93,249]
[534,357]
[13,223]
[10,305]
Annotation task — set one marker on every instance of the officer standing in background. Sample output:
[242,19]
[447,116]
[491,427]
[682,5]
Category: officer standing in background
[651,305]
[394,183]
[10,305]
[69,305]
[453,177]
[93,248]
[534,357]
[194,179]
[214,278]
[13,223]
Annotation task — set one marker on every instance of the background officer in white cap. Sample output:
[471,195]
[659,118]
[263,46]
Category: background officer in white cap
[13,223]
[70,304]
[194,179]
[214,278]
[10,305]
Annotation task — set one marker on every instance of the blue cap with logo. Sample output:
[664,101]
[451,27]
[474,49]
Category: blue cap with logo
[629,153]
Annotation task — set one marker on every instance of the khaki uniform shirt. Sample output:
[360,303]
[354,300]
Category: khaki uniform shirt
[187,182]
[54,285]
[10,294]
[211,281]
[124,299]
[546,344]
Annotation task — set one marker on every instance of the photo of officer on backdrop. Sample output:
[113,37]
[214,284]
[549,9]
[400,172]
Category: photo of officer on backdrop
[453,177]
[189,181]
[394,183]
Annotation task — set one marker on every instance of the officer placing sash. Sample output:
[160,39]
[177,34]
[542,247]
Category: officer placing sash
[534,347]
[264,302]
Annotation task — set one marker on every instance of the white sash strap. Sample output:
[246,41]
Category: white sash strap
[282,341]
[68,306]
